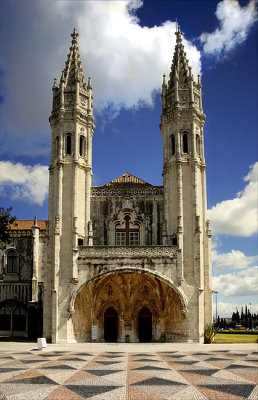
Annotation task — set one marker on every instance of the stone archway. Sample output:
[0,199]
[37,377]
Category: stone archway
[130,298]
[145,325]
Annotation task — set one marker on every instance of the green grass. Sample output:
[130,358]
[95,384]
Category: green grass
[235,338]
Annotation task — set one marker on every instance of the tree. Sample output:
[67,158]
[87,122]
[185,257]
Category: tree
[5,220]
[237,317]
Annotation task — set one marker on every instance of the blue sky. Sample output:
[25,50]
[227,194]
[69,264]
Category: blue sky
[126,46]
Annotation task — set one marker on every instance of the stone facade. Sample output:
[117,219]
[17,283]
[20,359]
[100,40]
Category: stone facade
[128,260]
[21,279]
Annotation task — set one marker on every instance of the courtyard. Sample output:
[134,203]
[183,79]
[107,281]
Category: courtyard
[127,371]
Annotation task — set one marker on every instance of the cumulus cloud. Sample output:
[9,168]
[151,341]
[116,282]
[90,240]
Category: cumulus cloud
[234,23]
[239,215]
[236,260]
[240,283]
[25,182]
[125,60]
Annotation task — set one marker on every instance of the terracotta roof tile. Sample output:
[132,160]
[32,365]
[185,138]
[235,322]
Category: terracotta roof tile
[27,225]
[127,179]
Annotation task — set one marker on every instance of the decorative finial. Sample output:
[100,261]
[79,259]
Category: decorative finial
[177,26]
[89,83]
[55,85]
[164,79]
[35,220]
[178,32]
[75,35]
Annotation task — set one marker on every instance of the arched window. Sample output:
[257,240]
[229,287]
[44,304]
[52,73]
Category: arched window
[127,233]
[13,318]
[198,147]
[68,144]
[12,262]
[185,143]
[173,144]
[82,146]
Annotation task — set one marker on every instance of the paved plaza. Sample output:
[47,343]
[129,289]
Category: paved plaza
[128,371]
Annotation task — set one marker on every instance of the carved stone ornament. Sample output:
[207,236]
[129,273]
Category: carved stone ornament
[152,191]
[57,225]
[128,252]
[184,310]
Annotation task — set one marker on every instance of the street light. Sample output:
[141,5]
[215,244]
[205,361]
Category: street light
[214,291]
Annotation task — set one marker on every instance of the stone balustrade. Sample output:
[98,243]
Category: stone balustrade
[127,251]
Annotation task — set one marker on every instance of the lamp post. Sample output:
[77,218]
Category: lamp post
[214,291]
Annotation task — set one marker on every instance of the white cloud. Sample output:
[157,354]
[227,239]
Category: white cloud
[225,310]
[235,22]
[239,215]
[25,182]
[240,283]
[125,61]
[236,259]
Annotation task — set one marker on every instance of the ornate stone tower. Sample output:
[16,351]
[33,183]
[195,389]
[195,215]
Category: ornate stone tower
[184,175]
[70,177]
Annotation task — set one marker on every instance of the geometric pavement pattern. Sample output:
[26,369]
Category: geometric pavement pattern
[216,375]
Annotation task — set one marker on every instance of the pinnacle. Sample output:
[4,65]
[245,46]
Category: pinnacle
[75,35]
[73,71]
[180,68]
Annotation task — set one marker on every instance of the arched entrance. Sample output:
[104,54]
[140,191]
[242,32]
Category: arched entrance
[122,303]
[13,319]
[145,325]
[110,325]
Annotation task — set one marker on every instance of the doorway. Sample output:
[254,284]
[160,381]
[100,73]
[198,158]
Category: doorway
[110,325]
[145,325]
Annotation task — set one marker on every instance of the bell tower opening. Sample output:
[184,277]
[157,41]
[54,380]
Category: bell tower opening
[110,325]
[145,325]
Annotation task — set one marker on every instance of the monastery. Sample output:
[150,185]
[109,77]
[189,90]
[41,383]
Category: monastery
[127,261]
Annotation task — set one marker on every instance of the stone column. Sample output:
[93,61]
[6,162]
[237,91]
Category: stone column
[35,264]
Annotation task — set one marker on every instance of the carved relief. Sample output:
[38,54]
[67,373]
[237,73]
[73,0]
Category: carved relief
[196,100]
[183,97]
[105,191]
[127,251]
[57,225]
[83,101]
[68,98]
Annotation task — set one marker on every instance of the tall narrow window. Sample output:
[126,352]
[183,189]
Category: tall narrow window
[173,144]
[82,146]
[12,262]
[198,147]
[185,143]
[68,144]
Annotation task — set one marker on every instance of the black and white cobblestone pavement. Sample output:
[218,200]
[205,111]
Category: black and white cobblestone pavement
[128,372]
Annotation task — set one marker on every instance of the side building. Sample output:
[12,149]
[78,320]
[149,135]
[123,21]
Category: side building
[127,260]
[21,280]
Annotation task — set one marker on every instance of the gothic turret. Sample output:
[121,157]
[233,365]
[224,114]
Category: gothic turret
[70,171]
[184,175]
[72,91]
[181,90]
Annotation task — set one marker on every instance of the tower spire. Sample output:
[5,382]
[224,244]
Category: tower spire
[181,89]
[73,71]
[180,66]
